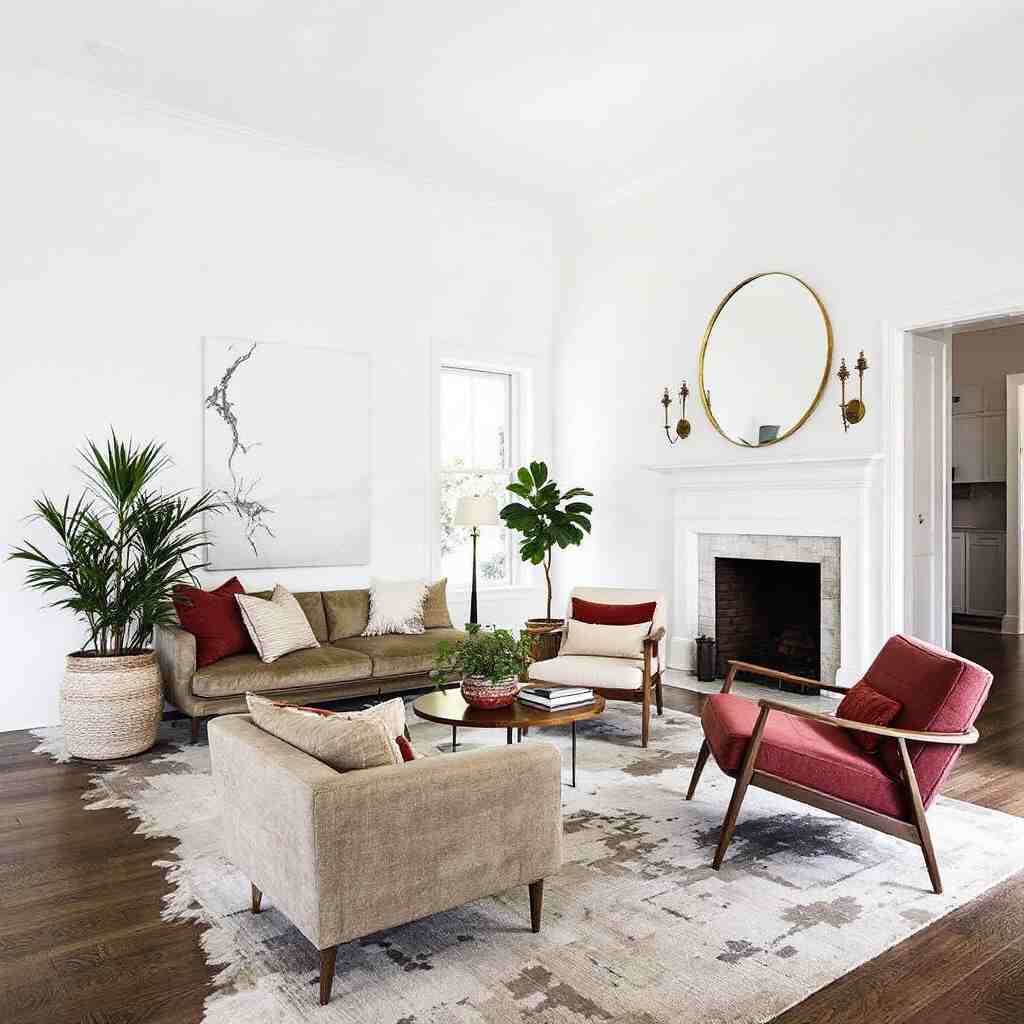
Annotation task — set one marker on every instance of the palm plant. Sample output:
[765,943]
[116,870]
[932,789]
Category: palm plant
[124,546]
[548,517]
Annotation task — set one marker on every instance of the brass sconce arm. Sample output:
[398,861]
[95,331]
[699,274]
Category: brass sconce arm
[854,410]
[682,428]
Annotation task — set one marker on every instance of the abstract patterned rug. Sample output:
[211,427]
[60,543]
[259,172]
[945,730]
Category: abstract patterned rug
[637,927]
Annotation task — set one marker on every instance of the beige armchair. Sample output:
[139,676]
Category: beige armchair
[346,855]
[632,679]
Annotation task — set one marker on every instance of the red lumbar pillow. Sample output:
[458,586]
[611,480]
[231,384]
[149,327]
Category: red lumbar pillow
[612,614]
[213,618]
[863,703]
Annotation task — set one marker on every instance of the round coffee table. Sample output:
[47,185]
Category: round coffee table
[448,708]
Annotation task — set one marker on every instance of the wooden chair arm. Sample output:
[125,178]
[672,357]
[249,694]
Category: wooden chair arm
[963,738]
[774,673]
[652,639]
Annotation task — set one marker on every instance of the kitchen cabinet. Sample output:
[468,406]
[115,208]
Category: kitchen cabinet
[978,569]
[979,447]
[958,571]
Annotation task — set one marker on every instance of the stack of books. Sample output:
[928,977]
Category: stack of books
[555,698]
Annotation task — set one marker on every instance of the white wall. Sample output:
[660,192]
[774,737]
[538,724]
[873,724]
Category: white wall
[891,231]
[128,233]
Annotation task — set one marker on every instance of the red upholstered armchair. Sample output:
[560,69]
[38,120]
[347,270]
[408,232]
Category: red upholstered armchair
[813,758]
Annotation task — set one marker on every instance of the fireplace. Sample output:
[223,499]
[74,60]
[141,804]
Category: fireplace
[768,612]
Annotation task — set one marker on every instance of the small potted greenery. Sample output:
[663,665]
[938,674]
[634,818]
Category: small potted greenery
[545,517]
[489,662]
[123,547]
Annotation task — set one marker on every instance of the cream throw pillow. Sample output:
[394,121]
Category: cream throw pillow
[391,713]
[278,626]
[396,606]
[605,641]
[345,743]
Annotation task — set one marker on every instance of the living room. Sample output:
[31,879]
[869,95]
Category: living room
[356,272]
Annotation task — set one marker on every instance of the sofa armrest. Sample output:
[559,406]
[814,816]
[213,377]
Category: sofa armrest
[399,843]
[176,653]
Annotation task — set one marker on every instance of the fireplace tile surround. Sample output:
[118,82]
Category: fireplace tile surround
[825,551]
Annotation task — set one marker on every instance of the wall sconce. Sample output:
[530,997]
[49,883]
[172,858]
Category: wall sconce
[683,424]
[854,410]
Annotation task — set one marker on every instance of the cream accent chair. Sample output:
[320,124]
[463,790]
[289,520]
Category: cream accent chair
[633,679]
[344,855]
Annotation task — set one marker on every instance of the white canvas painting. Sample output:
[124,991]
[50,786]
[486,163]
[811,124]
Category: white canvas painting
[286,446]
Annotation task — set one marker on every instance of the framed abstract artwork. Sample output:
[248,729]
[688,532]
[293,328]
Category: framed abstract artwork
[286,446]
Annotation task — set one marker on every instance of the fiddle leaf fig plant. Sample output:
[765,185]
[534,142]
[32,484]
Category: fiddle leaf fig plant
[545,517]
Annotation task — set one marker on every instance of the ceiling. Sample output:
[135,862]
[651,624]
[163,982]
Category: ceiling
[557,101]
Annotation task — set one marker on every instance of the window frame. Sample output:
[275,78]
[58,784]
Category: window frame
[513,435]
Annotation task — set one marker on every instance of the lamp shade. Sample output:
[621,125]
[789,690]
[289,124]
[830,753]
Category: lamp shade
[476,512]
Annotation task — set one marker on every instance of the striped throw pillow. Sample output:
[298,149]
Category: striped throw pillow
[278,626]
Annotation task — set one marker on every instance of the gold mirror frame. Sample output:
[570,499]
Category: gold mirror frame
[824,377]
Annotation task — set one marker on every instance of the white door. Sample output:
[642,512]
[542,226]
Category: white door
[928,613]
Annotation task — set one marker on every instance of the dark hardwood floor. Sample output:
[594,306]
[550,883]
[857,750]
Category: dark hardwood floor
[82,941]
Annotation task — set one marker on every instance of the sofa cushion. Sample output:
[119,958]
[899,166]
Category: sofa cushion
[400,653]
[312,604]
[435,608]
[613,614]
[347,612]
[603,641]
[318,666]
[799,750]
[345,743]
[581,670]
[278,626]
[214,619]
[939,691]
[396,606]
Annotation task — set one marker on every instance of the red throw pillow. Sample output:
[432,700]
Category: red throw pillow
[213,618]
[864,704]
[406,748]
[612,614]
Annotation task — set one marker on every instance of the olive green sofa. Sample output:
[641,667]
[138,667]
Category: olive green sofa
[346,664]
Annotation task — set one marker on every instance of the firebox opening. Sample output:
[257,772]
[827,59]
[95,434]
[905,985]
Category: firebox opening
[769,613]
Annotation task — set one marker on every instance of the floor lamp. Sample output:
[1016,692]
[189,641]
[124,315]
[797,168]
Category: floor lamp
[476,512]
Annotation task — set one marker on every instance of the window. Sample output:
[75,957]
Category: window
[477,440]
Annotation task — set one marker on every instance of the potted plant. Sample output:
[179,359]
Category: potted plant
[548,518]
[123,548]
[488,661]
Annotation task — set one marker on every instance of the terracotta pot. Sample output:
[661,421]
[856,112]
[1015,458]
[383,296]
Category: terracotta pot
[110,706]
[479,692]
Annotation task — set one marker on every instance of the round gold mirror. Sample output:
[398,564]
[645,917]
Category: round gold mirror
[765,359]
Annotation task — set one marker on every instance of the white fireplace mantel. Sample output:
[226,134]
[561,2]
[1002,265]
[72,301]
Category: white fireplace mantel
[838,496]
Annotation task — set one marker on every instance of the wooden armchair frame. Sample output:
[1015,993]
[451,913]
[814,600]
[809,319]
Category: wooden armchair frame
[915,830]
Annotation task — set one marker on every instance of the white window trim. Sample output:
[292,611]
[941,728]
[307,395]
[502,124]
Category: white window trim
[532,439]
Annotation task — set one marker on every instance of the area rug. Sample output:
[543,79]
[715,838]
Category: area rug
[637,927]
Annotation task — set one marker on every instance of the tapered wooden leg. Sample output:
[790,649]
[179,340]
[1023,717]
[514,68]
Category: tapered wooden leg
[196,725]
[657,694]
[740,789]
[645,727]
[257,898]
[328,957]
[924,835]
[536,903]
[702,759]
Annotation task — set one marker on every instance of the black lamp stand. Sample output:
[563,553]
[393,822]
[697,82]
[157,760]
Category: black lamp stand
[474,533]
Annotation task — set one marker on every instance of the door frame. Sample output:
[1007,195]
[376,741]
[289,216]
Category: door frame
[897,347]
[1013,621]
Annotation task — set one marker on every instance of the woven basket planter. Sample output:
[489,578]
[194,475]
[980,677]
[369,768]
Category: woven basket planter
[110,707]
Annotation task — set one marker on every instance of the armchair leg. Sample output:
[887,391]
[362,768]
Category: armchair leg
[657,694]
[702,759]
[740,790]
[195,725]
[536,903]
[328,957]
[645,728]
[924,835]
[257,897]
